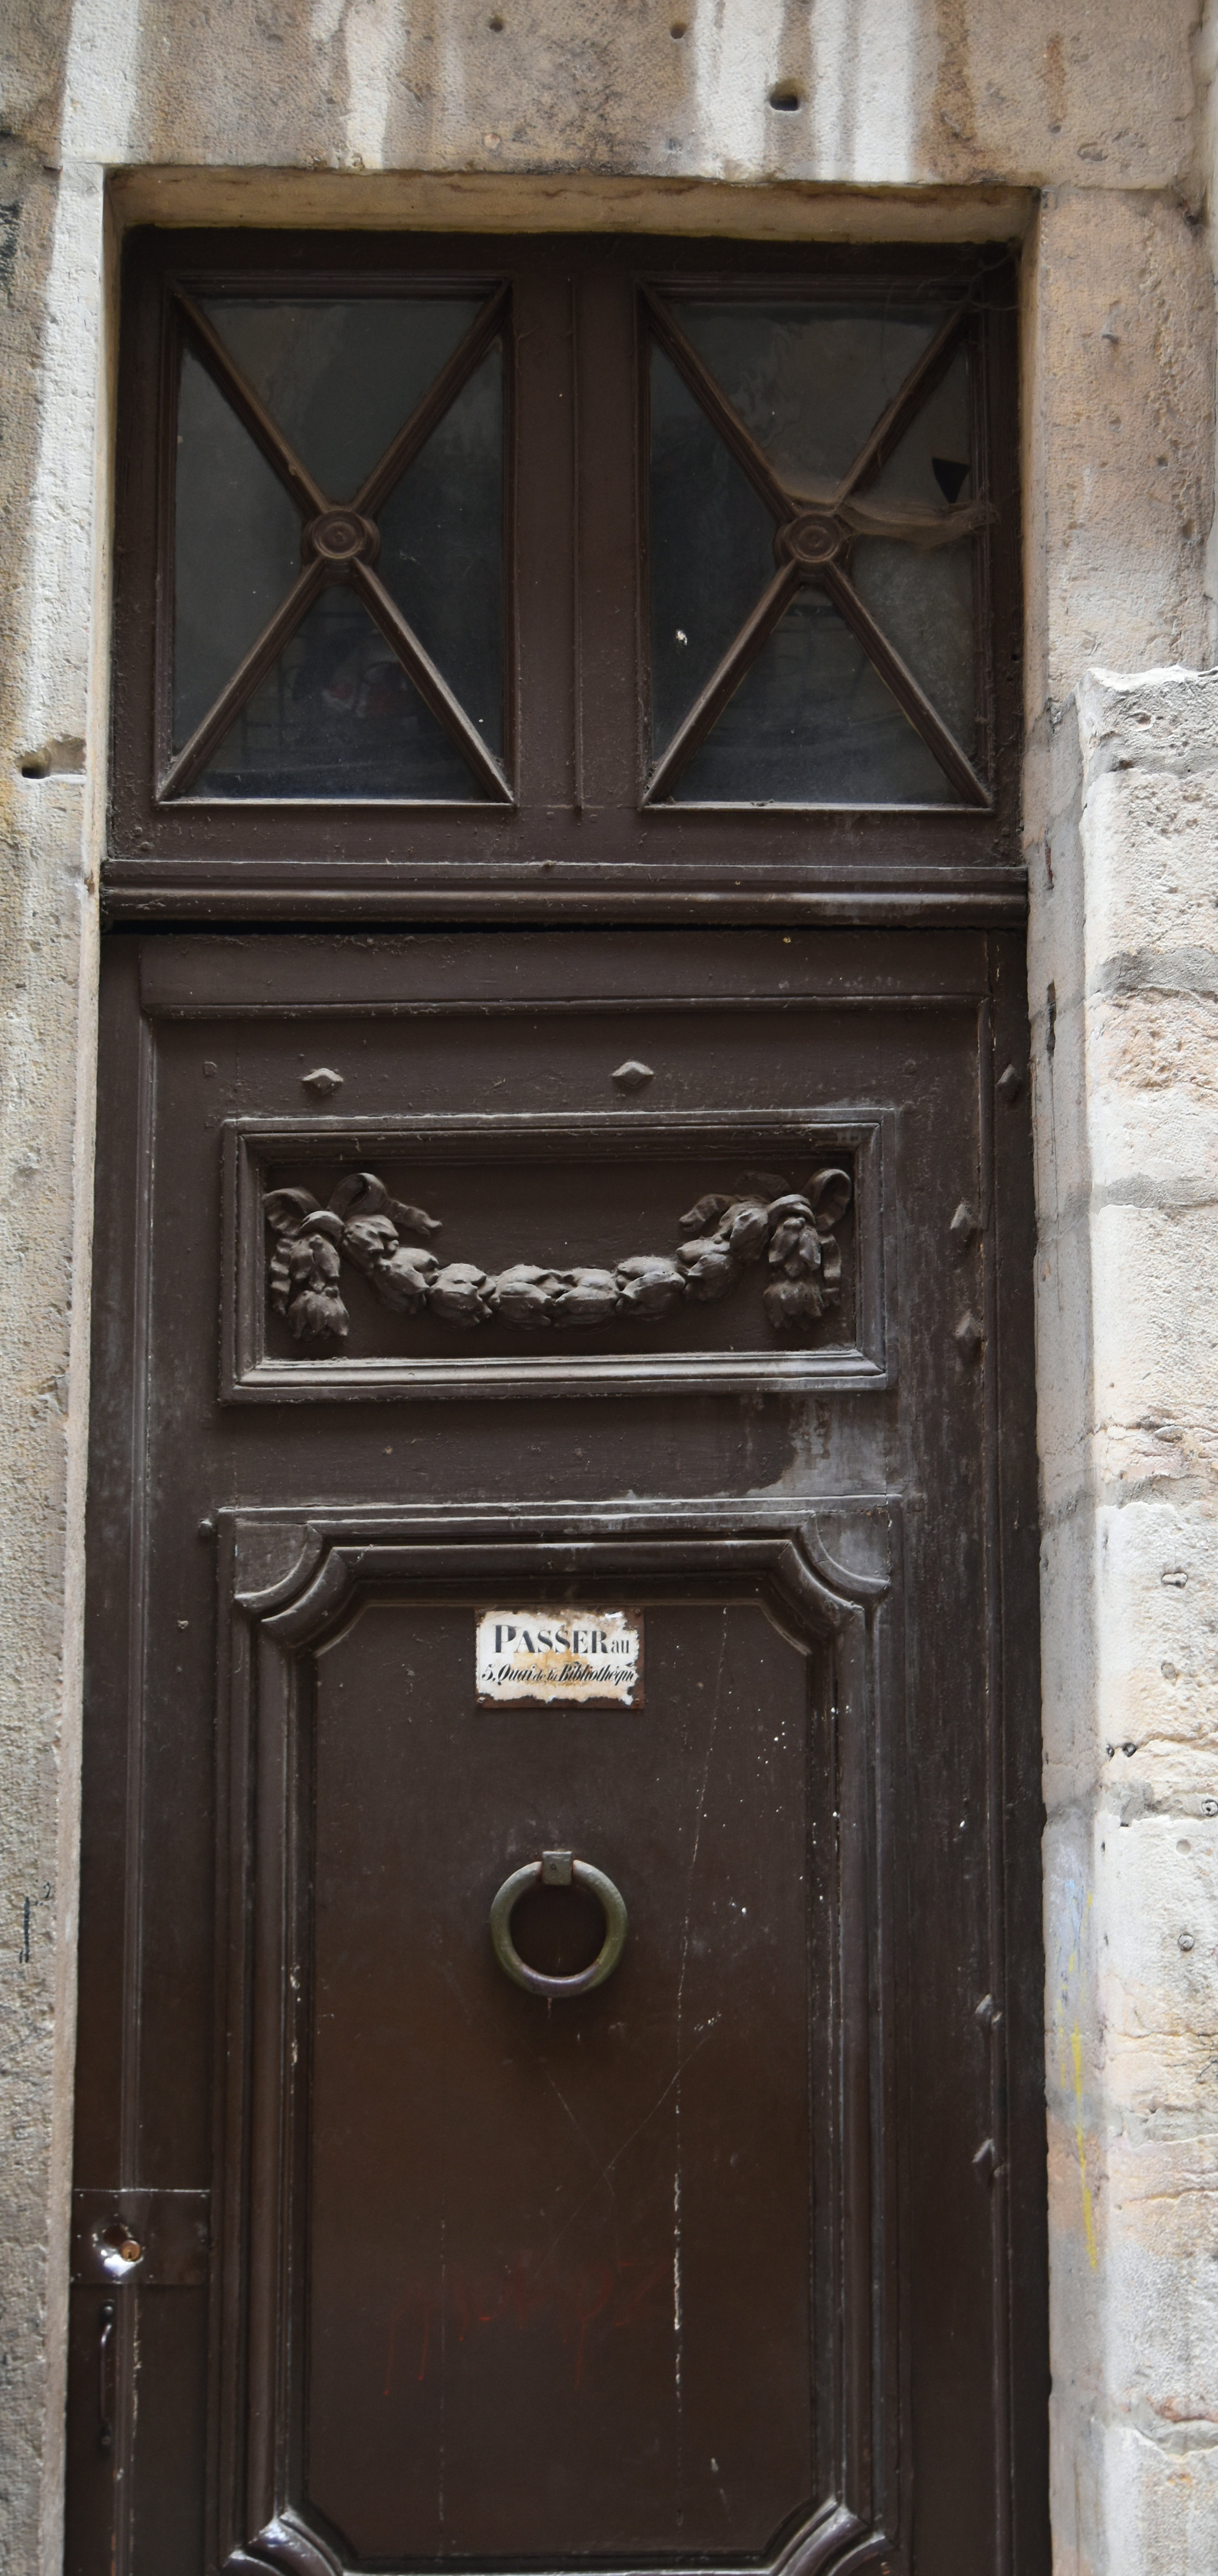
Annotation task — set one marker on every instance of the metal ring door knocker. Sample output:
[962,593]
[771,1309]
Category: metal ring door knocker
[558,1869]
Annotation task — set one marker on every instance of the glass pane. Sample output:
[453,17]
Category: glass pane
[924,603]
[810,381]
[238,547]
[442,548]
[932,466]
[813,723]
[340,377]
[337,716]
[918,590]
[711,549]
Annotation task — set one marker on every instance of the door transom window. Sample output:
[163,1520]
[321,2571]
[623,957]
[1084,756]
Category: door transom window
[572,571]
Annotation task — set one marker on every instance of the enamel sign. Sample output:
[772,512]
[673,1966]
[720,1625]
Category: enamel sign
[589,1658]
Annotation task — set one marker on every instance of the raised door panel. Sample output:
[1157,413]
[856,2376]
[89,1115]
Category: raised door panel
[546,2277]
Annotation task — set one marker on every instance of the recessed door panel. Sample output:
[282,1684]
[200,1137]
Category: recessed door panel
[560,2275]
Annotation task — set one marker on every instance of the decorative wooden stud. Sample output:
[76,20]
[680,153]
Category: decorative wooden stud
[965,1226]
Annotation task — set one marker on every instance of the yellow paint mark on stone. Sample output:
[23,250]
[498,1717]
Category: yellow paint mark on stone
[1076,2051]
[1072,1977]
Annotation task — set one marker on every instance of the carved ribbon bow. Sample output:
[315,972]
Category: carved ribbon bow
[723,1234]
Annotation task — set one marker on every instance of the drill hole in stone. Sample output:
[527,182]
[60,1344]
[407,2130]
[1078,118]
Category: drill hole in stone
[496,25]
[679,28]
[786,95]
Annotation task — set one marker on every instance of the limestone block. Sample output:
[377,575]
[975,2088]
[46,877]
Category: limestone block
[1053,760]
[1165,2086]
[1074,2085]
[1149,840]
[1160,2511]
[1073,1751]
[1132,2060]
[1155,720]
[1082,95]
[1130,1657]
[1156,1331]
[1072,1936]
[880,92]
[1157,1899]
[1153,1097]
[1156,1607]
[1061,1122]
[1063,1346]
[1120,369]
[1135,2338]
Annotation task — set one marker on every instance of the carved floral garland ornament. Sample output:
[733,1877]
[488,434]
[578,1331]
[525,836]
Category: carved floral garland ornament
[722,1235]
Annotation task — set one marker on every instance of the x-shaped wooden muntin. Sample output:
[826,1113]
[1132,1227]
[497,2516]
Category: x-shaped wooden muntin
[811,544]
[339,543]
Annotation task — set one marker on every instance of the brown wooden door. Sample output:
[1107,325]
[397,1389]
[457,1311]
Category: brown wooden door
[712,2262]
[560,1979]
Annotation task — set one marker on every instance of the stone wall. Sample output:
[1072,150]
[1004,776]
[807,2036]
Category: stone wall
[50,700]
[1125,985]
[1083,128]
[1123,875]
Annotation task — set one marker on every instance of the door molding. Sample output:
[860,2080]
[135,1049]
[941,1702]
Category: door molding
[322,1565]
[553,1364]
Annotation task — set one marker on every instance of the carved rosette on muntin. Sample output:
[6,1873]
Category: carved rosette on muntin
[761,1221]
